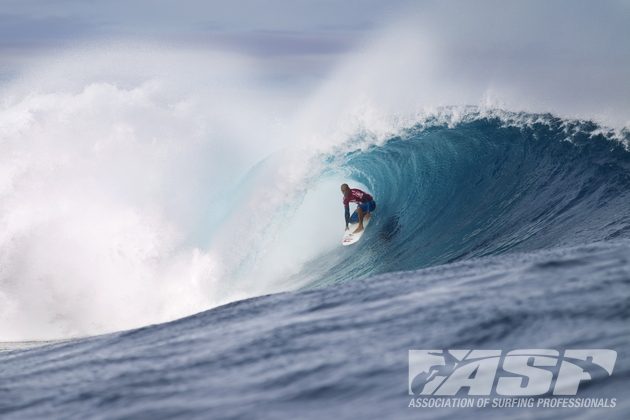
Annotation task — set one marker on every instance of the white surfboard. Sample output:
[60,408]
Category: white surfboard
[350,238]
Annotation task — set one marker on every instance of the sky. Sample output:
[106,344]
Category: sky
[578,51]
[281,28]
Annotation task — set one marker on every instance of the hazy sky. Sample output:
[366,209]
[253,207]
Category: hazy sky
[568,52]
[324,28]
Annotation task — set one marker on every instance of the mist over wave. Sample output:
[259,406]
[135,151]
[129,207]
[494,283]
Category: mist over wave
[111,188]
[176,181]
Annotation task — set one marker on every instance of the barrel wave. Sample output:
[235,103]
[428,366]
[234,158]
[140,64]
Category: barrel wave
[486,185]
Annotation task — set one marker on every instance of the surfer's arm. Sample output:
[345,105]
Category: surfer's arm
[347,212]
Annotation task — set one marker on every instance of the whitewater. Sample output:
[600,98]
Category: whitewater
[170,226]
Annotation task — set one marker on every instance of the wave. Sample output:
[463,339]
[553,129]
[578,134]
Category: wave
[129,198]
[95,251]
[341,349]
[485,184]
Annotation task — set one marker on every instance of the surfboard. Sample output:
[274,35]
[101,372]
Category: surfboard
[350,238]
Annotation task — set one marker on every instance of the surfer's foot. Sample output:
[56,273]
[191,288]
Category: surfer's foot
[359,229]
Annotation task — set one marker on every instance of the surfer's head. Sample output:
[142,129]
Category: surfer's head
[345,189]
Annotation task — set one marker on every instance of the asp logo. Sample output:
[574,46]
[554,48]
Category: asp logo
[524,372]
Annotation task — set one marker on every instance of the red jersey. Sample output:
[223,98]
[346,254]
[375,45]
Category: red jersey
[356,196]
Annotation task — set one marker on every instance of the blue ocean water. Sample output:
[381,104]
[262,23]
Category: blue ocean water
[490,233]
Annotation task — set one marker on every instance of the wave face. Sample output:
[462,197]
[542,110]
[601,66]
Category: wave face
[340,352]
[485,185]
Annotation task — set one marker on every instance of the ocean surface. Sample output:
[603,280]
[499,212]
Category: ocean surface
[492,231]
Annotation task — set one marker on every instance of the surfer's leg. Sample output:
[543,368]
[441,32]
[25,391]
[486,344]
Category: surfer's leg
[361,215]
[369,208]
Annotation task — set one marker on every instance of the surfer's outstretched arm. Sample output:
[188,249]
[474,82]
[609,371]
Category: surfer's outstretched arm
[347,212]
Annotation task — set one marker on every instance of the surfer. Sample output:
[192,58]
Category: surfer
[365,204]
